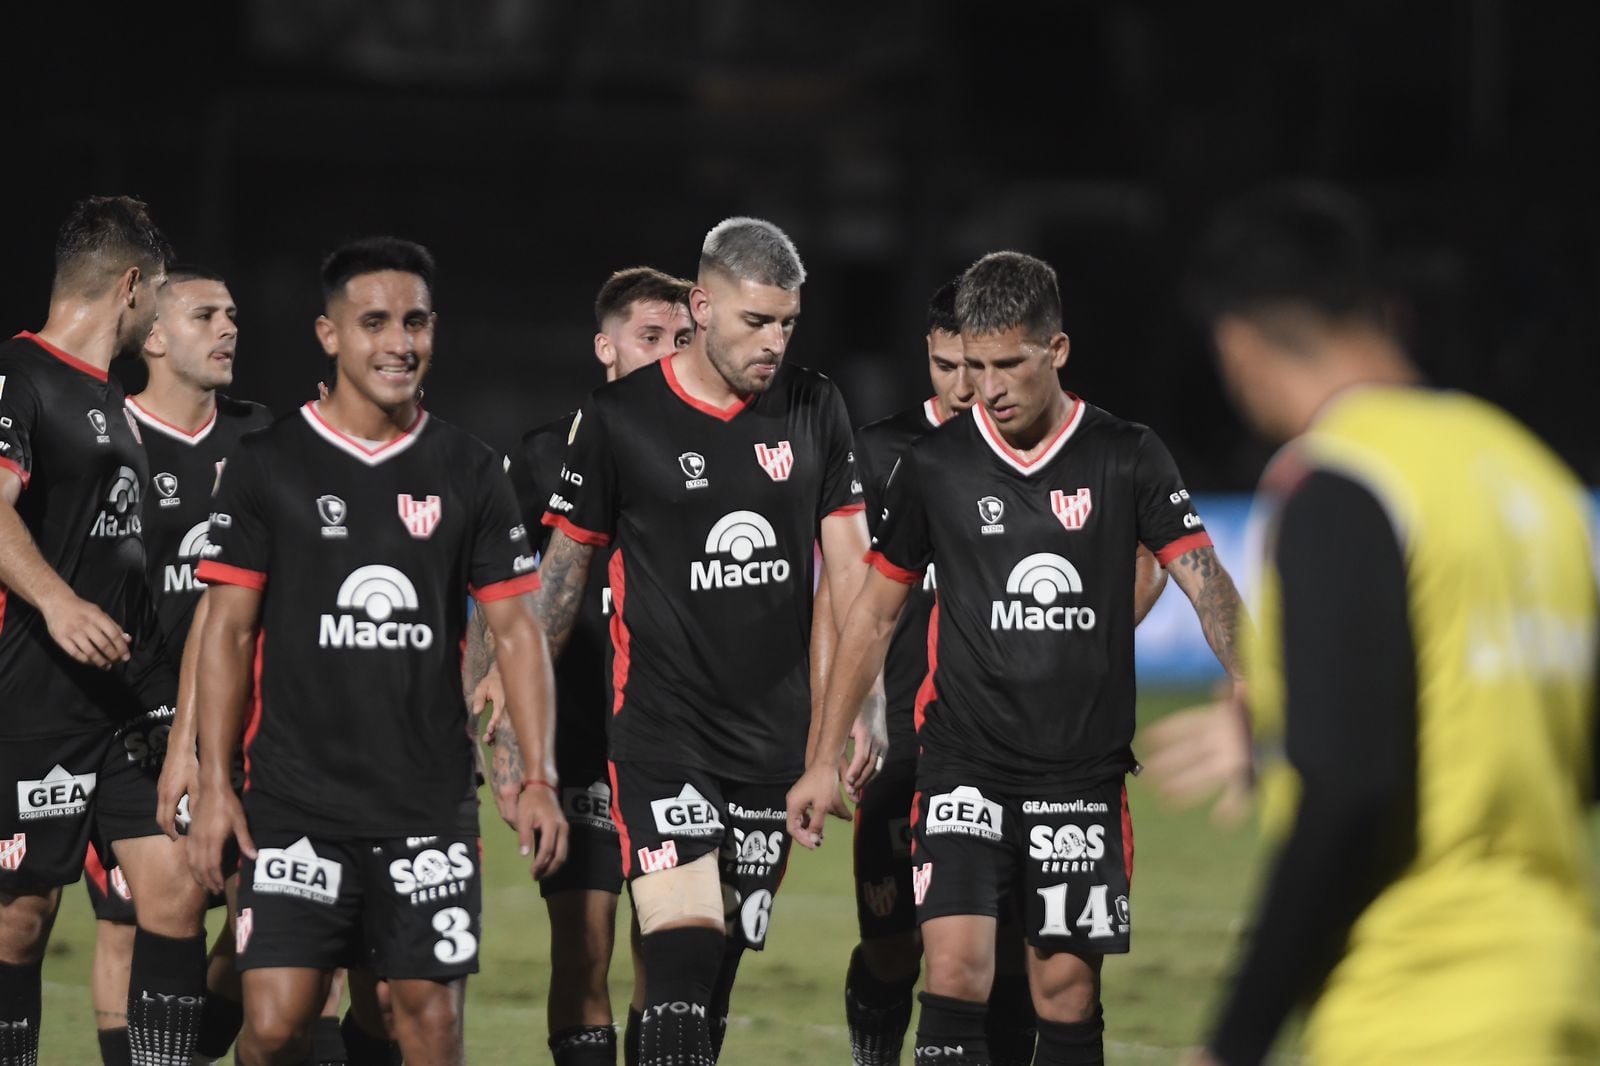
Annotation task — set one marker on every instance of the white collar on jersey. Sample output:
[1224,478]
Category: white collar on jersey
[354,448]
[1023,466]
[930,411]
[162,426]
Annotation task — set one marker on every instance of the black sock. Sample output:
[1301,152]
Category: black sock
[361,1048]
[220,1021]
[1075,1044]
[166,992]
[680,966]
[878,1013]
[630,1038]
[114,1049]
[722,994]
[327,1042]
[1010,1024]
[585,1045]
[950,1032]
[19,1015]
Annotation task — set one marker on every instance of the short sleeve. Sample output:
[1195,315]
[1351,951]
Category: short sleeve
[239,547]
[502,564]
[583,503]
[902,547]
[19,413]
[528,471]
[1168,523]
[869,468]
[841,486]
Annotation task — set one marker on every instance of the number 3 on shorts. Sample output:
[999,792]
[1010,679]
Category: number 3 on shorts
[458,944]
[1096,916]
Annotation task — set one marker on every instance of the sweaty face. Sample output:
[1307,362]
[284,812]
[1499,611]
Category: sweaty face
[380,333]
[748,327]
[1015,376]
[196,332]
[138,319]
[650,330]
[952,382]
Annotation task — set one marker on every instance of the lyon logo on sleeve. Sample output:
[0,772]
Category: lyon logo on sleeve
[420,516]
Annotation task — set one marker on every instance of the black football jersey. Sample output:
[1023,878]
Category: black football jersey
[879,445]
[712,516]
[64,431]
[184,471]
[365,556]
[1032,681]
[582,692]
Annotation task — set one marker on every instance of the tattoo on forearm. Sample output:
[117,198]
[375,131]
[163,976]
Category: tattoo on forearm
[563,576]
[505,769]
[480,650]
[1217,604]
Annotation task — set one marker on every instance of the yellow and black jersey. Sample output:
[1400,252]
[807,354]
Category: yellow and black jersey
[1423,679]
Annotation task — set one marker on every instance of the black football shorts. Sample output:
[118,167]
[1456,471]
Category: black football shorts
[594,858]
[883,852]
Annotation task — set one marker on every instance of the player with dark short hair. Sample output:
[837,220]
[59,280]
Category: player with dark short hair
[1031,506]
[85,687]
[344,543]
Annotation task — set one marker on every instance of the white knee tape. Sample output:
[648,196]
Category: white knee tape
[691,893]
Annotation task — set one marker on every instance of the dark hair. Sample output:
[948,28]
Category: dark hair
[369,255]
[635,285]
[101,238]
[753,249]
[1004,290]
[1300,246]
[179,272]
[942,308]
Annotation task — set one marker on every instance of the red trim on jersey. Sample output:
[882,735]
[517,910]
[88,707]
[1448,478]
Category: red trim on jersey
[930,411]
[66,357]
[1183,546]
[727,414]
[252,723]
[916,812]
[212,572]
[3,599]
[621,639]
[847,509]
[501,590]
[928,691]
[577,533]
[96,870]
[889,570]
[359,448]
[16,468]
[623,839]
[1127,837]
[991,434]
[177,431]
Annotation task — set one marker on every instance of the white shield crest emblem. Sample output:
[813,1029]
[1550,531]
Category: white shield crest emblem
[331,510]
[1072,510]
[166,484]
[990,509]
[420,516]
[693,464]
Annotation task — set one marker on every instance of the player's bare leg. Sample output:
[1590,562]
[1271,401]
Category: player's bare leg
[166,988]
[25,922]
[223,1015]
[113,965]
[280,1006]
[958,967]
[429,1020]
[1066,997]
[582,936]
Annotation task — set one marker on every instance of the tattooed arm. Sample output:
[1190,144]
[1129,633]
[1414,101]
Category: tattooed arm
[1200,575]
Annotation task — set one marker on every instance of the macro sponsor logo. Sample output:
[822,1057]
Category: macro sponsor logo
[298,871]
[378,592]
[433,874]
[179,576]
[1043,578]
[119,515]
[58,794]
[964,811]
[688,814]
[739,535]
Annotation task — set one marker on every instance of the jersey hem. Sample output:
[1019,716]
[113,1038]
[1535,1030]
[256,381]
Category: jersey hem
[577,533]
[1182,546]
[16,468]
[501,590]
[890,570]
[847,509]
[211,571]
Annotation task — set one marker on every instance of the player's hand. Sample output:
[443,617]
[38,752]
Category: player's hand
[1204,751]
[179,772]
[809,801]
[870,735]
[507,779]
[85,632]
[489,695]
[539,821]
[216,818]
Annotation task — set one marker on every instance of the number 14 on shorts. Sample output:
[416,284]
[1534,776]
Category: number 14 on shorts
[1095,917]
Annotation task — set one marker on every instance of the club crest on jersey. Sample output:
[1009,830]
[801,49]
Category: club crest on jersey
[97,419]
[331,510]
[991,509]
[777,460]
[167,488]
[694,468]
[13,851]
[243,924]
[1072,510]
[420,516]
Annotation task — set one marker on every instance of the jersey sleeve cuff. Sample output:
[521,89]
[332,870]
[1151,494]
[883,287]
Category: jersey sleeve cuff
[215,573]
[501,590]
[577,533]
[891,571]
[847,509]
[1183,546]
[17,469]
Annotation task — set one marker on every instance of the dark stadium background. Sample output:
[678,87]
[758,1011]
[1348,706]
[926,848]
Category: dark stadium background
[536,146]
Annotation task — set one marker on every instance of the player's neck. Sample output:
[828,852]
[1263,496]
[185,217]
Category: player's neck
[1032,439]
[701,380]
[178,402]
[356,416]
[83,331]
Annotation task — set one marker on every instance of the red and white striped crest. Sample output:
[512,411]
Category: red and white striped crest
[242,925]
[776,461]
[1072,510]
[12,851]
[420,516]
[119,883]
[921,878]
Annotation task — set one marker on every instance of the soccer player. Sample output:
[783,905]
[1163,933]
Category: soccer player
[1031,506]
[642,316]
[883,969]
[711,475]
[344,542]
[83,685]
[1421,685]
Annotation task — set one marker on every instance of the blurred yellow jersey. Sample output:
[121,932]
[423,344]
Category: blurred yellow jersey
[1484,949]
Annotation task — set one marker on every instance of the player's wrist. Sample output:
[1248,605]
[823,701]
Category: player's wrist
[539,782]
